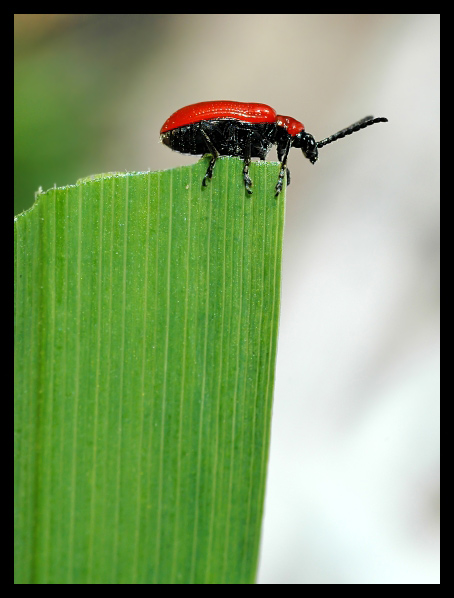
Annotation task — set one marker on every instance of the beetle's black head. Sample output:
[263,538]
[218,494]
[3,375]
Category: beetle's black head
[308,145]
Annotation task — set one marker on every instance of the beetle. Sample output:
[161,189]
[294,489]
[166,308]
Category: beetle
[246,130]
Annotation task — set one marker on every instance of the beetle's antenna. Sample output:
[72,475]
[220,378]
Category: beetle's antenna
[361,124]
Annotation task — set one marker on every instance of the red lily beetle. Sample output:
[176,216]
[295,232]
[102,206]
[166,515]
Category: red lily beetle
[246,130]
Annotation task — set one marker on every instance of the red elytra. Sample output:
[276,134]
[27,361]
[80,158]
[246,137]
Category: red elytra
[222,109]
[247,130]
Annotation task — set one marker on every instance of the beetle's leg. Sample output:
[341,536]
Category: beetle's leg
[282,154]
[214,156]
[246,177]
[247,161]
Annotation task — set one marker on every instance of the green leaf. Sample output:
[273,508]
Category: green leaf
[146,315]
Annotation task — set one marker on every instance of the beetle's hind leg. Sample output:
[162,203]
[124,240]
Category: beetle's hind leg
[246,177]
[247,162]
[214,156]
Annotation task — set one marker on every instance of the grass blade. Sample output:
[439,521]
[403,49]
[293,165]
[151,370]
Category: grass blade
[146,315]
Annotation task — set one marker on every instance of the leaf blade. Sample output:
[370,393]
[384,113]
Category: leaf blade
[150,305]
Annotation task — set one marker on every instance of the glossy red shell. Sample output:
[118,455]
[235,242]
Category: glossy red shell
[221,109]
[291,125]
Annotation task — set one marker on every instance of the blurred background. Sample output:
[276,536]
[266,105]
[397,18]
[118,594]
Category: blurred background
[353,485]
